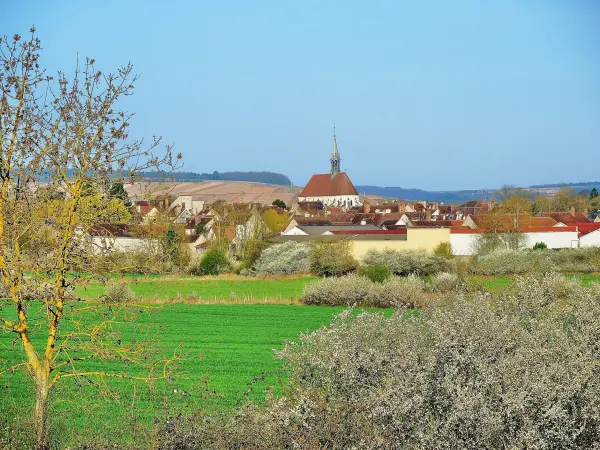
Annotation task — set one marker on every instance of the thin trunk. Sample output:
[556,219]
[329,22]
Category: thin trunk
[40,415]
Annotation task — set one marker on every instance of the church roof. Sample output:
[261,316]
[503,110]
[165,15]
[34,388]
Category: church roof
[324,185]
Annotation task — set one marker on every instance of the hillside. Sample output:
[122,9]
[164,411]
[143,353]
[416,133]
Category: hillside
[252,176]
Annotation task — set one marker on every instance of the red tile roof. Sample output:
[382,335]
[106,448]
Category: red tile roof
[323,185]
[566,217]
[525,230]
[586,227]
[350,232]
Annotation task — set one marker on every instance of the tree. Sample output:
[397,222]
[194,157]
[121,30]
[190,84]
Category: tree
[279,203]
[69,136]
[593,193]
[117,190]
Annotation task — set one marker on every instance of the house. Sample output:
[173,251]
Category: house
[332,189]
[509,221]
[109,238]
[324,230]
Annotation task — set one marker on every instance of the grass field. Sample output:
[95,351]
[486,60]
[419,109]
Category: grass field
[208,289]
[228,348]
[229,358]
[234,289]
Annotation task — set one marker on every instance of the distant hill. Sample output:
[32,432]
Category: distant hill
[254,177]
[548,190]
[419,194]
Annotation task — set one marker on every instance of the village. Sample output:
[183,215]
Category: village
[329,208]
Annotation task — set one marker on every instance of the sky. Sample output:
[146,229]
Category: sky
[438,95]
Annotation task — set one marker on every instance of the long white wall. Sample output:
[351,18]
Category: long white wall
[463,244]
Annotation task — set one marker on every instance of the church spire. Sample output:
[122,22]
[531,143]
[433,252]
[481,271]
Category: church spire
[335,157]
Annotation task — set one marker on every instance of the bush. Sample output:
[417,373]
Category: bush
[360,291]
[213,262]
[505,372]
[540,246]
[506,262]
[287,258]
[332,258]
[445,282]
[409,262]
[118,292]
[443,250]
[377,273]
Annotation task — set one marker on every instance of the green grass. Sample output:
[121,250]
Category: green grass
[229,358]
[205,289]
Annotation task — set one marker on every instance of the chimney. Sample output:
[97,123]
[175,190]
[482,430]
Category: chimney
[428,215]
[366,207]
[166,203]
[572,211]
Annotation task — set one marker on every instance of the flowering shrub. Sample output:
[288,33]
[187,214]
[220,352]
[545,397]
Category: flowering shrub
[332,258]
[409,262]
[287,258]
[118,292]
[360,291]
[444,282]
[505,262]
[377,273]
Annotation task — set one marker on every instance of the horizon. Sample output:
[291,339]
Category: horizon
[434,96]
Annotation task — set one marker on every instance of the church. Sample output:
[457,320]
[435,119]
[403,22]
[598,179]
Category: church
[333,189]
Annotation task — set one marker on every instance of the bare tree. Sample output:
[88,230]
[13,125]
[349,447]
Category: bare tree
[62,142]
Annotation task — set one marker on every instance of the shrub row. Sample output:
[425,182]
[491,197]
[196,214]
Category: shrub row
[506,262]
[409,262]
[360,291]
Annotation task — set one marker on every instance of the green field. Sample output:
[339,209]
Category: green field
[229,358]
[227,348]
[232,289]
[208,289]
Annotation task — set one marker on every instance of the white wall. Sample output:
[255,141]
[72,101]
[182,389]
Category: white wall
[463,244]
[334,201]
[590,240]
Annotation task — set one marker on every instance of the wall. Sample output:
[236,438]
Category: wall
[591,239]
[417,239]
[336,200]
[463,244]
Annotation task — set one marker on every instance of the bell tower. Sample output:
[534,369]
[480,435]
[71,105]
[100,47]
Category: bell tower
[335,157]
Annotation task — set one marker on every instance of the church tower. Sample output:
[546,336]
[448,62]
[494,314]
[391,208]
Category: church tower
[335,157]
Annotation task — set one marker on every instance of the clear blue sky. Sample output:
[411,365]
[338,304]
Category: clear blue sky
[427,94]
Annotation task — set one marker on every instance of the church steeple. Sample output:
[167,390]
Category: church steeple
[335,157]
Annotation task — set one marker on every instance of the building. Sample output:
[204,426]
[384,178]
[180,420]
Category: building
[332,189]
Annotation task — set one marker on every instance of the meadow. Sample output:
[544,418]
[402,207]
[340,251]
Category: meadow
[227,354]
[226,329]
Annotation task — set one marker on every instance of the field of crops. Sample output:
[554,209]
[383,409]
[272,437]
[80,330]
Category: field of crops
[228,351]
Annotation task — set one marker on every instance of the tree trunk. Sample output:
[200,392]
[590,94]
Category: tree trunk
[40,415]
